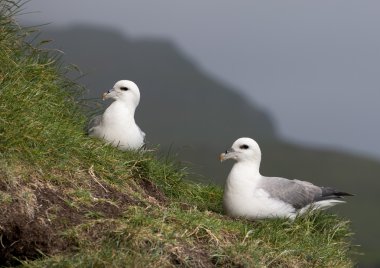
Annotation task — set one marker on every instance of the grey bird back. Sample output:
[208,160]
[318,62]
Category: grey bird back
[294,192]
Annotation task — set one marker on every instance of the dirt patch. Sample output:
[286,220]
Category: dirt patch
[152,191]
[226,261]
[3,185]
[35,217]
[30,224]
[190,257]
[111,202]
[34,220]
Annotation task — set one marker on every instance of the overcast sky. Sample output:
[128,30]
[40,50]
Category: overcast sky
[314,65]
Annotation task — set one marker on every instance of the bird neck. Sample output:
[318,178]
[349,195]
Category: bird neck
[118,112]
[129,101]
[243,177]
[250,167]
[126,106]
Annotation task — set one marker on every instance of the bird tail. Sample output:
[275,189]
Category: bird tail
[342,194]
[322,204]
[330,193]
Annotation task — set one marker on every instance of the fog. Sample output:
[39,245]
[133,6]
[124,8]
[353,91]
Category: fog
[314,65]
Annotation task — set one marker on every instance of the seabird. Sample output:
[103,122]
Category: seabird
[117,124]
[250,195]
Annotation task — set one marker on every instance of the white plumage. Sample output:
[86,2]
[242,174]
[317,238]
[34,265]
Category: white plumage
[249,194]
[117,125]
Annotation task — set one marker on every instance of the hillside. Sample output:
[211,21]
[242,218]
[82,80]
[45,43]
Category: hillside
[71,201]
[209,115]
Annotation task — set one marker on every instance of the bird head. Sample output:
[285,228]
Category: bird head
[243,149]
[124,90]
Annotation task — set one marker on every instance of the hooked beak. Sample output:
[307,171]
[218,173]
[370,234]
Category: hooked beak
[227,155]
[107,95]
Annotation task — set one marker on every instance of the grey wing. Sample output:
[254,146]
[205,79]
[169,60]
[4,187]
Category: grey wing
[294,192]
[95,121]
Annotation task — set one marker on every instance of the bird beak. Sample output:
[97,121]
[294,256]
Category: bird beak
[227,155]
[106,95]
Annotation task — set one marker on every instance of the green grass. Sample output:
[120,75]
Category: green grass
[191,238]
[81,203]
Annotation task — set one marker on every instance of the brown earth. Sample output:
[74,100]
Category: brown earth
[35,216]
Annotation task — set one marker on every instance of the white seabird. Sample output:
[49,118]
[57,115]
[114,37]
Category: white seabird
[250,195]
[117,124]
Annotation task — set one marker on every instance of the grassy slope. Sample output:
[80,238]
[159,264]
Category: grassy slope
[76,202]
[171,71]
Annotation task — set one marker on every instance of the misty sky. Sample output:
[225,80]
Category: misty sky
[314,65]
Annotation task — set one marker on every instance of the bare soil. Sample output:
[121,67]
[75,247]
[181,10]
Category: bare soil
[33,221]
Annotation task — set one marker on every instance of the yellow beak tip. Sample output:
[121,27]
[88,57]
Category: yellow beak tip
[104,95]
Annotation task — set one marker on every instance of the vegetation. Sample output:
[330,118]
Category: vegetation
[222,119]
[71,201]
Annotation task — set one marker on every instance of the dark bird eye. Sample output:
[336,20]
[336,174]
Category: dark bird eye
[244,146]
[124,88]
